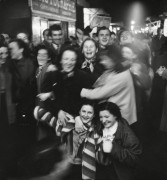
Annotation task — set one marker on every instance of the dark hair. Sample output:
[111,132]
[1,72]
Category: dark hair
[133,47]
[41,46]
[112,108]
[66,48]
[55,27]
[46,31]
[103,28]
[22,44]
[87,102]
[114,53]
[89,39]
[2,40]
[112,33]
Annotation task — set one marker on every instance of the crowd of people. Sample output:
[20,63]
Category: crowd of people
[97,94]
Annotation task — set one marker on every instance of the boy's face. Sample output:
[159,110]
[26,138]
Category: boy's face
[86,113]
[42,57]
[104,37]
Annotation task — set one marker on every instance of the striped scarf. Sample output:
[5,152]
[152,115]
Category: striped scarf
[41,114]
[92,144]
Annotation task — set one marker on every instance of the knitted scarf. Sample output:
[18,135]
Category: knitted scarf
[91,146]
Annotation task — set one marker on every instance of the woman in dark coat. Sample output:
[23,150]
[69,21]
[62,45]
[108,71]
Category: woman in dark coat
[69,82]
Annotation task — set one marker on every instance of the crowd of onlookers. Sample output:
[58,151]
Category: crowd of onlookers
[97,93]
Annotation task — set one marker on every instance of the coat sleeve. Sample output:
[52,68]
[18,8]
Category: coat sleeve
[128,149]
[111,88]
[142,79]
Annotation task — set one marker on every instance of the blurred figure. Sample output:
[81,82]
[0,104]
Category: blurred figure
[23,36]
[141,78]
[69,82]
[80,36]
[162,72]
[45,80]
[126,37]
[114,85]
[113,38]
[6,37]
[7,107]
[2,40]
[46,160]
[47,38]
[23,80]
[7,113]
[94,36]
[158,47]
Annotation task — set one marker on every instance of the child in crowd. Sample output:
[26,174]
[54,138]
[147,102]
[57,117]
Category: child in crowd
[74,141]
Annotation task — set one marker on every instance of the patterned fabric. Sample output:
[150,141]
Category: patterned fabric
[91,146]
[87,64]
[43,115]
[70,125]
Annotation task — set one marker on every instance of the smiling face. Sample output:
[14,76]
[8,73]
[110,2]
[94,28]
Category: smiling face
[104,37]
[107,119]
[3,54]
[126,38]
[89,49]
[68,61]
[86,113]
[57,36]
[42,57]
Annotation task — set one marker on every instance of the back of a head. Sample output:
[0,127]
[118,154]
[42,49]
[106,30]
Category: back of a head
[112,52]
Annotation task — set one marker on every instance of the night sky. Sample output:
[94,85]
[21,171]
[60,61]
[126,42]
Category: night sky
[119,9]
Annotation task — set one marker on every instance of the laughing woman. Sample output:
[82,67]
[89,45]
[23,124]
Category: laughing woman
[89,59]
[117,149]
[69,83]
[114,85]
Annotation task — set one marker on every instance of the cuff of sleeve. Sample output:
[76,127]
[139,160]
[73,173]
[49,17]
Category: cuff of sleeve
[84,92]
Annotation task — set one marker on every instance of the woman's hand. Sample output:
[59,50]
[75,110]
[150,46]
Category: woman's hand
[79,127]
[45,96]
[63,117]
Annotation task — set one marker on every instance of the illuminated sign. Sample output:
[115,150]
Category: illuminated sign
[165,28]
[64,8]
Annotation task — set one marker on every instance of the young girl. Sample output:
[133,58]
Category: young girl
[117,149]
[74,140]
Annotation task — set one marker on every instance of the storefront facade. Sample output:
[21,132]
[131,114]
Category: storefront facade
[34,16]
[48,12]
